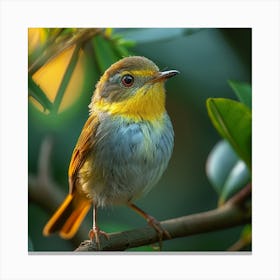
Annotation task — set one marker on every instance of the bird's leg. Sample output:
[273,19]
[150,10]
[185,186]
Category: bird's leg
[152,222]
[95,232]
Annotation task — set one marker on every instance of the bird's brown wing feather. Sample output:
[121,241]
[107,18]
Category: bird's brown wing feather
[83,148]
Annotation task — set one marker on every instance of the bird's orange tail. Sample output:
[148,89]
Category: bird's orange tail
[68,217]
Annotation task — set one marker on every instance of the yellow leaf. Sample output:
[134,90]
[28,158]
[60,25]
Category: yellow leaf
[49,78]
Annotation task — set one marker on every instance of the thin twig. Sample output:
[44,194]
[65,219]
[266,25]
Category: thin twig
[239,245]
[66,78]
[242,195]
[83,35]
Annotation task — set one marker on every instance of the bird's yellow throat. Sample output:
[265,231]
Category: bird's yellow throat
[148,105]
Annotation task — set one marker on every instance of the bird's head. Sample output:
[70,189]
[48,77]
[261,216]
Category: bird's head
[133,88]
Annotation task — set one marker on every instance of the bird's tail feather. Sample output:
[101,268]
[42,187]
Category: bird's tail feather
[68,217]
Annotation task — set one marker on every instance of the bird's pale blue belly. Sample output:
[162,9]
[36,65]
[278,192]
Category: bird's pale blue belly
[129,157]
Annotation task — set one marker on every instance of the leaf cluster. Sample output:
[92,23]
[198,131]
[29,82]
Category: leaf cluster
[229,165]
[230,162]
[79,50]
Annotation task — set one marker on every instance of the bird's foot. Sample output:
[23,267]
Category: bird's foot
[159,229]
[94,235]
[152,222]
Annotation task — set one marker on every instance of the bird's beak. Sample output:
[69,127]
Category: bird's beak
[162,76]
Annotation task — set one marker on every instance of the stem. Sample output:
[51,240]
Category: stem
[242,195]
[38,94]
[66,78]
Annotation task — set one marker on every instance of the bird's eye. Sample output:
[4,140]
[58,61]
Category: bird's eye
[127,80]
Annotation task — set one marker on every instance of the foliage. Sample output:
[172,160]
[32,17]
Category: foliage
[226,171]
[229,163]
[59,52]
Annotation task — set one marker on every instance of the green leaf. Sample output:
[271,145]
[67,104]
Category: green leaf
[233,120]
[118,39]
[121,50]
[238,178]
[243,91]
[105,54]
[226,172]
[38,94]
[220,162]
[247,233]
[66,79]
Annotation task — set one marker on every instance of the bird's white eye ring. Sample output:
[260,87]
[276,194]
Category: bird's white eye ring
[127,80]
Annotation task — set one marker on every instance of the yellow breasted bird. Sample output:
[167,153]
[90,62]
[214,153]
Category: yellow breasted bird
[124,147]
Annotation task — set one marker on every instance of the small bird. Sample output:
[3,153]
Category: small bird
[123,149]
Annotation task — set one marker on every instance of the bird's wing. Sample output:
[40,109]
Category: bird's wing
[82,149]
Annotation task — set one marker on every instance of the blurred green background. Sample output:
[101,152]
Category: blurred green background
[206,58]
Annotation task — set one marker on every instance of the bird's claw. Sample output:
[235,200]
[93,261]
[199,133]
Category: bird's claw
[94,235]
[159,229]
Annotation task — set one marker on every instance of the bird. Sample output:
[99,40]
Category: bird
[123,149]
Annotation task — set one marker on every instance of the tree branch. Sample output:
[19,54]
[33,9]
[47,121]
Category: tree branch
[229,215]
